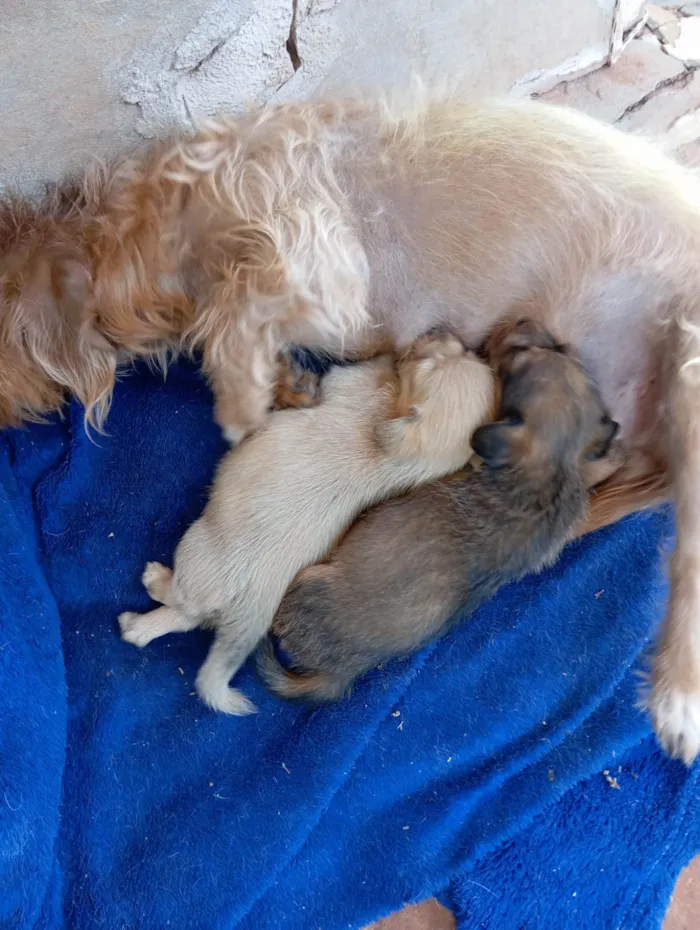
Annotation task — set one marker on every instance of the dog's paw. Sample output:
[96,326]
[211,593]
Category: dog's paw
[243,414]
[133,629]
[157,579]
[235,424]
[676,718]
[226,700]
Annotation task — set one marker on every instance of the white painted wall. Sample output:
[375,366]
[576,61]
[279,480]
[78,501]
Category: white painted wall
[91,77]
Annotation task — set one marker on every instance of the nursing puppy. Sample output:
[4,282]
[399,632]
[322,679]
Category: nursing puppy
[280,501]
[405,568]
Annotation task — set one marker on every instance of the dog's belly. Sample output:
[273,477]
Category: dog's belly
[614,324]
[618,331]
[628,373]
[469,262]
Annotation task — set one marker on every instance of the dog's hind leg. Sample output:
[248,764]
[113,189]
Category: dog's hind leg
[674,700]
[232,645]
[140,629]
[638,485]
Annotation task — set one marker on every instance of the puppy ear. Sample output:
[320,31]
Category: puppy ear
[395,437]
[494,443]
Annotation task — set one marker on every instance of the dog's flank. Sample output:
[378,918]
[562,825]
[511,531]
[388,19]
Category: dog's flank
[281,500]
[404,570]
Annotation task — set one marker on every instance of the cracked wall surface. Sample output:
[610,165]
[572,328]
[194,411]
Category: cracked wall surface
[653,89]
[93,77]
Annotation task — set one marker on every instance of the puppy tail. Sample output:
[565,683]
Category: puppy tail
[295,686]
[621,495]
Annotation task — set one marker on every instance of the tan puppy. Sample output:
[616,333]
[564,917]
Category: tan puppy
[280,501]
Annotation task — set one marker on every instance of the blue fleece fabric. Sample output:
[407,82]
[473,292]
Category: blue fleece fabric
[473,769]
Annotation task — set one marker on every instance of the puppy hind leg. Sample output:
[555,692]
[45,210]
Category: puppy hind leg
[141,629]
[232,645]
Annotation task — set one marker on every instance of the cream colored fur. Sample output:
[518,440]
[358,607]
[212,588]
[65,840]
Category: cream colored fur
[280,501]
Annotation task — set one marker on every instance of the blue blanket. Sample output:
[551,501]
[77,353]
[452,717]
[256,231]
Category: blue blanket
[505,768]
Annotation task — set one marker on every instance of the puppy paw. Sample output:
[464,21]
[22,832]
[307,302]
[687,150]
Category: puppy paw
[296,387]
[157,580]
[134,629]
[226,700]
[676,718]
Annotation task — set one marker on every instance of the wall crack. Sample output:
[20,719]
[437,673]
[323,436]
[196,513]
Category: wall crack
[677,82]
[193,69]
[291,43]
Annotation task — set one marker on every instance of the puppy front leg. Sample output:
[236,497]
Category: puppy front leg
[674,701]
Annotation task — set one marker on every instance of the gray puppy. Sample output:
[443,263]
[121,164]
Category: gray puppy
[404,569]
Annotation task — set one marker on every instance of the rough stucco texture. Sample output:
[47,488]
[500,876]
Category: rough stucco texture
[93,77]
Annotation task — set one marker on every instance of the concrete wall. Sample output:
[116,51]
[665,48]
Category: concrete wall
[91,77]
